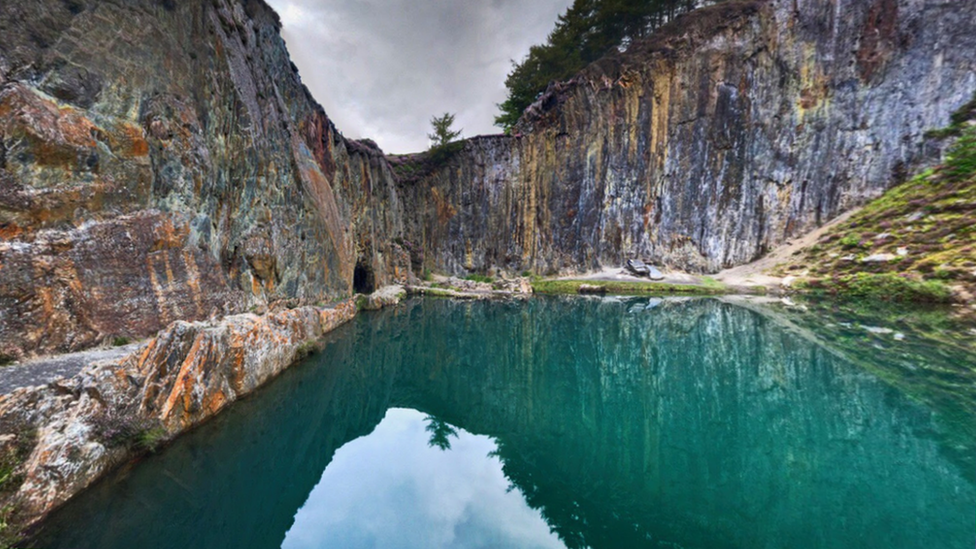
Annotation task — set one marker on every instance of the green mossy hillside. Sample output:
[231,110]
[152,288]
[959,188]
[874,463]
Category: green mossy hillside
[915,243]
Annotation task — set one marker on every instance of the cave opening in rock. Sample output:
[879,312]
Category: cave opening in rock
[363,279]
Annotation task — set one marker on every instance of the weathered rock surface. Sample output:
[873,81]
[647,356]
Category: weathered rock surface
[70,432]
[162,161]
[388,296]
[49,369]
[732,130]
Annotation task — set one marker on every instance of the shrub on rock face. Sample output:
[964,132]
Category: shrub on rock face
[442,134]
[16,445]
[851,241]
[443,140]
[115,428]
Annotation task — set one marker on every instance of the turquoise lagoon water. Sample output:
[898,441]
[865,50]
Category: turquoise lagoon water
[607,423]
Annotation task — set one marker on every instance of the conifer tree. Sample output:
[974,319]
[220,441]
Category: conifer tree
[588,30]
[443,134]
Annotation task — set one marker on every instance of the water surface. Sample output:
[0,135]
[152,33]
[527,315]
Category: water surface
[571,423]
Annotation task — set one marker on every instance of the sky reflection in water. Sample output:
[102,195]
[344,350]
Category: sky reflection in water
[393,489]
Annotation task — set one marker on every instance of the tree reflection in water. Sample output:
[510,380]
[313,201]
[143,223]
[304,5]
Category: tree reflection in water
[440,433]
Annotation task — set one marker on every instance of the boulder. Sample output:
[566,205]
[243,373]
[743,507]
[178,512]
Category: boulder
[637,267]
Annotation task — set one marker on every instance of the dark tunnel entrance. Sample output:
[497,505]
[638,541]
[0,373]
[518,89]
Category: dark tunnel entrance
[363,279]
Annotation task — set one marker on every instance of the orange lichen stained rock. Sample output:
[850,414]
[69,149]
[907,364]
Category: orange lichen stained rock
[133,143]
[153,162]
[878,39]
[77,287]
[132,172]
[187,374]
[9,231]
[183,387]
[58,135]
[168,235]
[445,210]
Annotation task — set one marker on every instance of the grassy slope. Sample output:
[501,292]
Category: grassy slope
[552,287]
[926,225]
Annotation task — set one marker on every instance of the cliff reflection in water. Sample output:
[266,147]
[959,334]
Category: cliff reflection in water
[626,423]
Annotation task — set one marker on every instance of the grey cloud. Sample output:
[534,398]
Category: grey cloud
[382,68]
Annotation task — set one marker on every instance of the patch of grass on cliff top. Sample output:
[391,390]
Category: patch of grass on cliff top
[561,287]
[411,168]
[910,244]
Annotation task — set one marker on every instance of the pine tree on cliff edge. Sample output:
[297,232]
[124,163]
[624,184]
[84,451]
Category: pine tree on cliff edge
[585,32]
[443,144]
[443,134]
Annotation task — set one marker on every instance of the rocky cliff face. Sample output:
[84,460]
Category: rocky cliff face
[732,130]
[161,161]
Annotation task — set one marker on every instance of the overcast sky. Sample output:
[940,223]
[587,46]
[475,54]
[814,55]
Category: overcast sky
[382,68]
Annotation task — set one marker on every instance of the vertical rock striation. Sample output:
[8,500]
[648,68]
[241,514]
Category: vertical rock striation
[162,161]
[728,132]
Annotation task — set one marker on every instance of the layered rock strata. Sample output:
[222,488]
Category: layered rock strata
[162,161]
[730,131]
[60,438]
